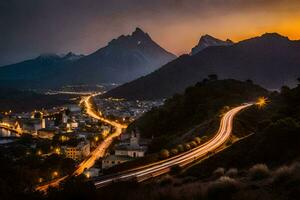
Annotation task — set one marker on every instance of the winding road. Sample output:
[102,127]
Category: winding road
[165,166]
[97,153]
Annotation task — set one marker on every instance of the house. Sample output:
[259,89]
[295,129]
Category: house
[91,172]
[78,152]
[131,146]
[47,133]
[113,160]
[73,108]
[32,125]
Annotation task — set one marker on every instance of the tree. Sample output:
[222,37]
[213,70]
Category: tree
[180,148]
[174,151]
[187,146]
[213,77]
[197,140]
[249,81]
[164,154]
[193,144]
[37,115]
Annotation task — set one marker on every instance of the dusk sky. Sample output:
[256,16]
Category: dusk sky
[31,27]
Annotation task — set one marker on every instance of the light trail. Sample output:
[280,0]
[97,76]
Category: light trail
[165,166]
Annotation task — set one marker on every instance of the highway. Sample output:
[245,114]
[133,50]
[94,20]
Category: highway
[165,166]
[97,153]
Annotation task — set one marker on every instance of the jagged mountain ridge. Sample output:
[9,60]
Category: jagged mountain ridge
[270,60]
[208,41]
[123,59]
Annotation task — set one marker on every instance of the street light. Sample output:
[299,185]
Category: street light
[261,102]
[57,150]
[54,174]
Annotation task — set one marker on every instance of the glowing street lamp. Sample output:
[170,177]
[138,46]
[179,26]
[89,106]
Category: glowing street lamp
[261,102]
[54,174]
[57,150]
[39,152]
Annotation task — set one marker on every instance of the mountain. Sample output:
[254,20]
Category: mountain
[270,60]
[123,59]
[208,41]
[27,101]
[35,71]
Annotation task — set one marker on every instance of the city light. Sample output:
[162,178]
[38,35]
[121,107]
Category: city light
[54,174]
[39,152]
[57,150]
[261,102]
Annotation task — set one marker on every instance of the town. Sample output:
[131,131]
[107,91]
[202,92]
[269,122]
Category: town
[70,133]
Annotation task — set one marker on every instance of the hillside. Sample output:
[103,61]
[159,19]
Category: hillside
[199,103]
[270,60]
[37,72]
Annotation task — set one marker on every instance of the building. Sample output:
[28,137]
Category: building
[113,160]
[47,133]
[78,152]
[131,146]
[91,172]
[73,108]
[32,125]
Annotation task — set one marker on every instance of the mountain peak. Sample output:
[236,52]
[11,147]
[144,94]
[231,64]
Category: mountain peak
[207,41]
[47,56]
[138,30]
[71,56]
[140,34]
[274,36]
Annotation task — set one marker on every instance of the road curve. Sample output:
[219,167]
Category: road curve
[165,166]
[97,153]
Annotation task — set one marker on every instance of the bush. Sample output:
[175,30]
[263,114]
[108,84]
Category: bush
[222,188]
[197,140]
[187,146]
[219,172]
[282,174]
[174,151]
[180,148]
[193,144]
[232,172]
[164,154]
[259,171]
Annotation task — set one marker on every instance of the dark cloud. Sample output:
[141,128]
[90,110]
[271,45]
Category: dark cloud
[31,27]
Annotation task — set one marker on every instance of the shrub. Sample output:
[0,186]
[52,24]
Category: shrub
[282,174]
[174,151]
[164,153]
[180,148]
[187,146]
[232,172]
[197,140]
[222,188]
[193,144]
[219,172]
[259,171]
